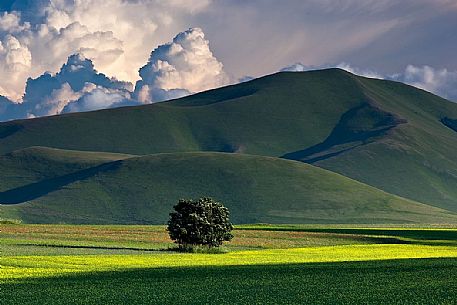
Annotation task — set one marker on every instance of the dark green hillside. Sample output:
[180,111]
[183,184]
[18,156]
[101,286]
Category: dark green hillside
[256,189]
[386,134]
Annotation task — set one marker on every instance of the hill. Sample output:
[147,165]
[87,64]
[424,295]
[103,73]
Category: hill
[144,189]
[386,134]
[33,164]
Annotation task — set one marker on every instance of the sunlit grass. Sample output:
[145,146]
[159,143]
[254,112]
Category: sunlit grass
[17,267]
[265,264]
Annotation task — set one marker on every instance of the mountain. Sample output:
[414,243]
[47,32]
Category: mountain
[78,187]
[391,136]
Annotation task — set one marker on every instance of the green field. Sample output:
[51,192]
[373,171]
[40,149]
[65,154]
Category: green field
[264,264]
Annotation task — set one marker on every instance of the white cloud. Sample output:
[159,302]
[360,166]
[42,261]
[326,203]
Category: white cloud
[176,69]
[185,65]
[99,98]
[55,102]
[361,72]
[251,37]
[11,23]
[15,62]
[117,34]
[297,67]
[439,81]
[76,87]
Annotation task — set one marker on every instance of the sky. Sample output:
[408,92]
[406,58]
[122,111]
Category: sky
[60,56]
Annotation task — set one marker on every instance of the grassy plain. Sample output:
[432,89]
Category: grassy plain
[62,264]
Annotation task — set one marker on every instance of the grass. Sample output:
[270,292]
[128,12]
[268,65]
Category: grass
[264,264]
[20,267]
[377,132]
[139,190]
[4,221]
[431,235]
[375,282]
[83,239]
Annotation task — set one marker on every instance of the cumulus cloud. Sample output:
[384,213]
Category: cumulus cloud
[117,36]
[50,94]
[8,109]
[29,50]
[251,37]
[185,65]
[99,98]
[76,87]
[111,33]
[15,62]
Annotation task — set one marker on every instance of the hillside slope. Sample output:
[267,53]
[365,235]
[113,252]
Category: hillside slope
[256,189]
[269,116]
[386,134]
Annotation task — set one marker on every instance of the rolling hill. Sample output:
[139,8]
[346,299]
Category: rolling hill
[385,134]
[111,188]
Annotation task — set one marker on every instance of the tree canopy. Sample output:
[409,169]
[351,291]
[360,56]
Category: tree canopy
[199,222]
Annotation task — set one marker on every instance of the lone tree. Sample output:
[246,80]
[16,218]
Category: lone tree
[202,222]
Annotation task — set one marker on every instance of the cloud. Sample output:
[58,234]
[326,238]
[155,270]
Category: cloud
[100,98]
[361,72]
[8,109]
[257,37]
[77,83]
[246,78]
[297,67]
[251,37]
[76,87]
[179,68]
[185,65]
[438,81]
[114,34]
[15,62]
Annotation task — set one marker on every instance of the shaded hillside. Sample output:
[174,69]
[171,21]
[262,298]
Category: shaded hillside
[255,188]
